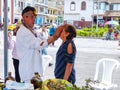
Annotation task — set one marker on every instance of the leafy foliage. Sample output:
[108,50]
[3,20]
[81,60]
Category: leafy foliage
[92,32]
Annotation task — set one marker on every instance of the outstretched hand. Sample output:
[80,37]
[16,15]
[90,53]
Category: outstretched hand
[58,32]
[56,35]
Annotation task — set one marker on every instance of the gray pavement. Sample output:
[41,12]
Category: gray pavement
[89,51]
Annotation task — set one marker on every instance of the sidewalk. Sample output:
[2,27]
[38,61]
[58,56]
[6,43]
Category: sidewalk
[89,51]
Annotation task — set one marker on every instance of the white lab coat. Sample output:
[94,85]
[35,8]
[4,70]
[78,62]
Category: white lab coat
[28,50]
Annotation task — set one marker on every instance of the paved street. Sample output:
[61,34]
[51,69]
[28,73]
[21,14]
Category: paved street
[89,51]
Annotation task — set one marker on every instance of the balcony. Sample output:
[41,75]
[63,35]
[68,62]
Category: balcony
[41,4]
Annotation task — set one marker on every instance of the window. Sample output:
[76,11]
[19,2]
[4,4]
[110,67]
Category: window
[116,7]
[19,4]
[41,1]
[72,6]
[111,6]
[83,5]
[53,12]
[15,3]
[48,11]
[41,9]
[28,4]
[97,5]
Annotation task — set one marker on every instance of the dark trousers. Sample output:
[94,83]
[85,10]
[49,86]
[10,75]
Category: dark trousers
[16,67]
[52,42]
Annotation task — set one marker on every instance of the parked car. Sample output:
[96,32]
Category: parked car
[11,27]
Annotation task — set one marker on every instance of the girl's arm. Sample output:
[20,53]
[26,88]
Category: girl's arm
[68,71]
[69,65]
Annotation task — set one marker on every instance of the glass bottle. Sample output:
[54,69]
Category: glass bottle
[36,81]
[9,77]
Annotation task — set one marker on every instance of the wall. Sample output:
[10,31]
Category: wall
[77,15]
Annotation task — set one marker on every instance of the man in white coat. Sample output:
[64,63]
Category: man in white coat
[29,46]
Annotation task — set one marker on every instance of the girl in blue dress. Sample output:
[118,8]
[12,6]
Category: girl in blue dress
[65,57]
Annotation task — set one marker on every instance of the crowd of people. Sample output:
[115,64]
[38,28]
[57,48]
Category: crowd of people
[29,47]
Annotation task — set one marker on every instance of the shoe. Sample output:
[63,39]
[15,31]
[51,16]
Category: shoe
[50,64]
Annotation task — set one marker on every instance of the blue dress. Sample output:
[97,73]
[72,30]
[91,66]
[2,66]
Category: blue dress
[62,58]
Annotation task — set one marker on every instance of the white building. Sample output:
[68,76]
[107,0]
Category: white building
[78,12]
[82,13]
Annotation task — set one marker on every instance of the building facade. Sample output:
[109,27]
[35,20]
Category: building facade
[83,13]
[78,12]
[18,6]
[49,11]
[42,10]
[15,8]
[10,11]
[106,10]
[55,11]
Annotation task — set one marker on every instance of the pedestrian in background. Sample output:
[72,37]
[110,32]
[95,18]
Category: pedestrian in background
[109,34]
[12,46]
[29,46]
[43,34]
[116,33]
[65,57]
[1,25]
[52,31]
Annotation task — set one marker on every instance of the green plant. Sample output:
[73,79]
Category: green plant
[92,32]
[87,87]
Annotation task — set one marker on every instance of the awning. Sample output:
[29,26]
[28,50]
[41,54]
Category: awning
[109,14]
[112,14]
[108,1]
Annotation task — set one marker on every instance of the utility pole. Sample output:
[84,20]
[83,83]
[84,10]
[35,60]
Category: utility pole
[5,3]
[98,6]
[93,15]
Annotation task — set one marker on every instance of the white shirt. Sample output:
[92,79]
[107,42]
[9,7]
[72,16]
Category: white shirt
[43,34]
[12,46]
[28,47]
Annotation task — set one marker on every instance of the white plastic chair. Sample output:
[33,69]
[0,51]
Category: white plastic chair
[106,80]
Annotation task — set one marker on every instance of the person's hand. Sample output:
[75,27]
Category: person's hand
[9,34]
[58,32]
[56,35]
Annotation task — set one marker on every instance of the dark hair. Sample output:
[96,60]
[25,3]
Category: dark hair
[27,9]
[71,30]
